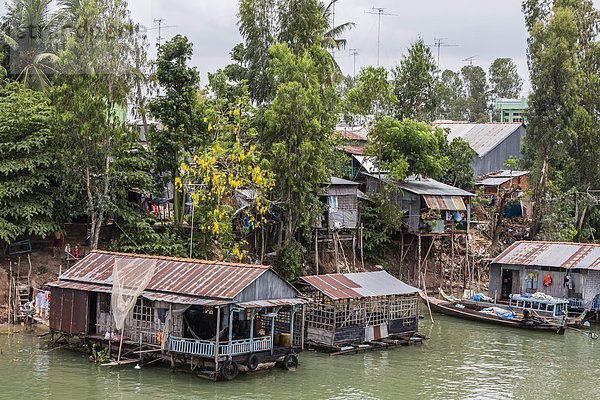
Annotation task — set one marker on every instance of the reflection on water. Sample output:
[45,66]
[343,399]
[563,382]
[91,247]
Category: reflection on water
[462,360]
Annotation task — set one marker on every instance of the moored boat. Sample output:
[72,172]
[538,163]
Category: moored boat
[528,321]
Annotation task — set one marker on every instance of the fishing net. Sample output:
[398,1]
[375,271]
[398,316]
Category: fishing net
[130,278]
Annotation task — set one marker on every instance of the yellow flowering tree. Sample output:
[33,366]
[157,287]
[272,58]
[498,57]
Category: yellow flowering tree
[230,168]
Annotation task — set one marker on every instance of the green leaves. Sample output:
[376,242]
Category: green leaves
[26,165]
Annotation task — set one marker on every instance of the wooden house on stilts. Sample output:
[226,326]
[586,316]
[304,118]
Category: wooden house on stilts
[214,317]
[338,233]
[355,308]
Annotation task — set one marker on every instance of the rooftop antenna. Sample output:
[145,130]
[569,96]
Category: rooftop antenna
[160,27]
[354,53]
[439,43]
[470,59]
[379,11]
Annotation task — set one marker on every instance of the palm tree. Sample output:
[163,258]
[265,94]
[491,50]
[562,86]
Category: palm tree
[331,38]
[29,31]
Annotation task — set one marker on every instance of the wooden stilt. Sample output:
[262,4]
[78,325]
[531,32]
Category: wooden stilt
[452,266]
[362,258]
[336,255]
[317,250]
[419,260]
[10,320]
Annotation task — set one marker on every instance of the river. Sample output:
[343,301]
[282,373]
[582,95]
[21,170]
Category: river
[462,360]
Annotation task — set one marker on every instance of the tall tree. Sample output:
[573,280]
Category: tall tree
[297,136]
[176,110]
[505,81]
[451,97]
[91,120]
[26,164]
[415,83]
[476,90]
[371,95]
[553,64]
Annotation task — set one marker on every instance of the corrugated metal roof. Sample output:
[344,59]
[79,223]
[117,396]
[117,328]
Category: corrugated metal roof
[449,203]
[154,296]
[492,181]
[427,186]
[482,138]
[551,254]
[273,303]
[358,285]
[353,133]
[507,173]
[354,150]
[341,182]
[209,279]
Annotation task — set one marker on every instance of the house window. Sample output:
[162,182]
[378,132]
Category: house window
[104,301]
[532,281]
[333,203]
[143,311]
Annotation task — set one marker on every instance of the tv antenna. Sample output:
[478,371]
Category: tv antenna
[160,27]
[379,11]
[439,43]
[354,53]
[470,59]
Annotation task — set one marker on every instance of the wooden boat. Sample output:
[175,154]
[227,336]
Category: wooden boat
[537,306]
[461,311]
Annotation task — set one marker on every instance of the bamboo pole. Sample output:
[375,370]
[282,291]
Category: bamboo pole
[10,321]
[30,270]
[317,250]
[427,300]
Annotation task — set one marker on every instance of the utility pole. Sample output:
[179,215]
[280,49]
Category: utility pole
[160,27]
[379,11]
[354,53]
[438,43]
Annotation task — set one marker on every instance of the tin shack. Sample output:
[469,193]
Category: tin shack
[214,317]
[562,270]
[358,307]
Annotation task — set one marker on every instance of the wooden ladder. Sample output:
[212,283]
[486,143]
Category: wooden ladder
[22,299]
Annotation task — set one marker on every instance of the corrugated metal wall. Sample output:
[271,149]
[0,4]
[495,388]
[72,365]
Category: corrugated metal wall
[494,160]
[69,310]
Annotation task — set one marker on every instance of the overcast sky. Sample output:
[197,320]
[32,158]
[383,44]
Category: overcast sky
[485,29]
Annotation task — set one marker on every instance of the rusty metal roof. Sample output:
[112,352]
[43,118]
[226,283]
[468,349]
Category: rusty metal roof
[358,285]
[209,279]
[154,296]
[551,254]
[450,203]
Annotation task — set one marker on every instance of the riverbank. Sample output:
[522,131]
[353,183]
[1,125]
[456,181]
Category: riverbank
[462,360]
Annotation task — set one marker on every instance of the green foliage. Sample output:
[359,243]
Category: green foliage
[372,93]
[408,147]
[176,107]
[26,164]
[460,156]
[380,218]
[100,356]
[476,91]
[298,133]
[415,84]
[95,83]
[505,81]
[451,97]
[562,134]
[290,259]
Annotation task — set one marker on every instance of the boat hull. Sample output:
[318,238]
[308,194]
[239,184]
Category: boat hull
[448,308]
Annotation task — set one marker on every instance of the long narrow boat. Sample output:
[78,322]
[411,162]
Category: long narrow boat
[450,308]
[548,315]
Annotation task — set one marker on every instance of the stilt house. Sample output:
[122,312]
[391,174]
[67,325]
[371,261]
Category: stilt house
[222,315]
[358,307]
[562,270]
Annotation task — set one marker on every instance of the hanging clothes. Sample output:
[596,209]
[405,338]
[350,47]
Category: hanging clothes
[548,280]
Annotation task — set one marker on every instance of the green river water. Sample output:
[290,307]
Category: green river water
[463,360]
